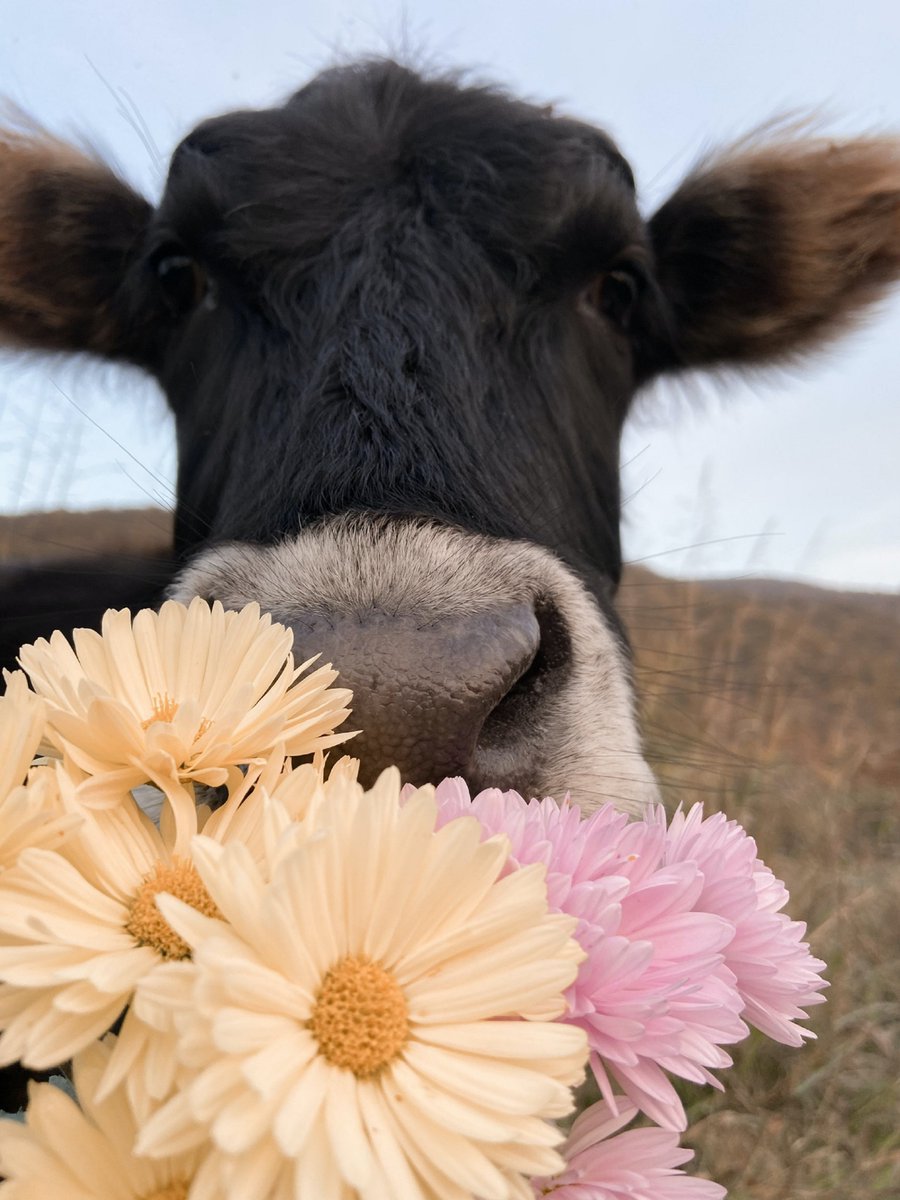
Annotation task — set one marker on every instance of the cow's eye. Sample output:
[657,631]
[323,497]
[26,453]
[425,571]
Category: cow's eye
[182,280]
[615,295]
[618,296]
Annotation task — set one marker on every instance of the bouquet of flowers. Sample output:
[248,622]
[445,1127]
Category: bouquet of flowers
[273,984]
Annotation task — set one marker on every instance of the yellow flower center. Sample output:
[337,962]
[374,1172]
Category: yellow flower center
[360,1018]
[165,709]
[146,923]
[174,1191]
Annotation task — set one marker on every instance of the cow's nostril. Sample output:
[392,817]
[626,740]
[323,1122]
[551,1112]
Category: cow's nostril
[544,672]
[425,690]
[502,754]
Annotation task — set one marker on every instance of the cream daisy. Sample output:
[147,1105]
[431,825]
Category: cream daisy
[352,1026]
[22,718]
[85,1153]
[29,810]
[79,928]
[183,696]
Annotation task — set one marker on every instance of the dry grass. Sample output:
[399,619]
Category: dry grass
[61,534]
[781,704]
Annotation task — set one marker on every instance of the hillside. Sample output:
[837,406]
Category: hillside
[765,672]
[779,703]
[63,534]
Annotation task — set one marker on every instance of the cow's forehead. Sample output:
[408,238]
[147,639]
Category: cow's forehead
[403,110]
[355,134]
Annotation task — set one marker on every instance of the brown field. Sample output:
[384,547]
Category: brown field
[781,705]
[62,534]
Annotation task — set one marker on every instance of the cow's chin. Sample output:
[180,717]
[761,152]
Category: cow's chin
[422,620]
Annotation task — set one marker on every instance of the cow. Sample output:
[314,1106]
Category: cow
[400,322]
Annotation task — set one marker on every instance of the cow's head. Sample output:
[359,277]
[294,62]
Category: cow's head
[400,323]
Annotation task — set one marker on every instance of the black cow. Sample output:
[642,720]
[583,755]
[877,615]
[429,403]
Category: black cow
[400,322]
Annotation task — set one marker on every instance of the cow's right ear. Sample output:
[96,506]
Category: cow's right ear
[71,236]
[775,247]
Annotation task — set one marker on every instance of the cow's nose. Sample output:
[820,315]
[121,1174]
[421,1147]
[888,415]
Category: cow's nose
[422,690]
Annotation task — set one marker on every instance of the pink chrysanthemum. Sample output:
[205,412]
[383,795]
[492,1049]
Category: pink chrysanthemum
[639,1164]
[654,994]
[777,976]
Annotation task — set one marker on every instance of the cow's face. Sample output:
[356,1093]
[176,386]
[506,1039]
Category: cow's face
[400,323]
[415,304]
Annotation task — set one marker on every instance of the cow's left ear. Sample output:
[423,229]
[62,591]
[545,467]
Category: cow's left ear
[770,250]
[70,237]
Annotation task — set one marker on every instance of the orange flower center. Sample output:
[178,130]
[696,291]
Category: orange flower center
[165,709]
[174,1191]
[148,926]
[360,1018]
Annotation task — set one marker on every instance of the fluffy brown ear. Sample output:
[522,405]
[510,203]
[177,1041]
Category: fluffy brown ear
[771,249]
[70,232]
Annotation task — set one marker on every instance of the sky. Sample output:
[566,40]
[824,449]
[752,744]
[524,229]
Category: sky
[790,474]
